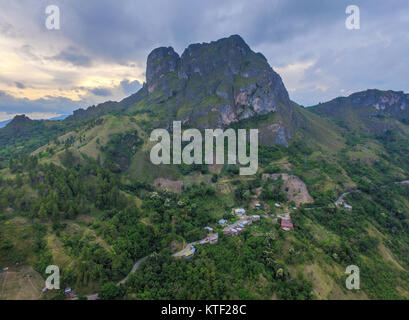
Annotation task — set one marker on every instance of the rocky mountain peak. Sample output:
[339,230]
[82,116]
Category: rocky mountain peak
[388,101]
[216,84]
[211,85]
[161,61]
[20,123]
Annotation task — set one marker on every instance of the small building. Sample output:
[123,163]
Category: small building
[214,238]
[210,229]
[204,241]
[222,221]
[228,231]
[343,204]
[190,252]
[240,225]
[405,182]
[257,205]
[255,218]
[347,207]
[277,205]
[239,211]
[286,224]
[294,208]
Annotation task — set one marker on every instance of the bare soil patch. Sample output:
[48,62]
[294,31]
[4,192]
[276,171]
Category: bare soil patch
[166,184]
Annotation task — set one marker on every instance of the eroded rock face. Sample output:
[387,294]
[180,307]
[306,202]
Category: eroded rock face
[293,186]
[216,84]
[160,62]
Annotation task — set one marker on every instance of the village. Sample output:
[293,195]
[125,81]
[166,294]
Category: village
[236,228]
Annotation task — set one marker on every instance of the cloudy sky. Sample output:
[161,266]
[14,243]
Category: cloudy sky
[100,51]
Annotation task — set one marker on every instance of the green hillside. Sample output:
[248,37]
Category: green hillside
[82,193]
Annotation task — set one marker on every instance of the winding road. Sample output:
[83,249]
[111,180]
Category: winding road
[133,270]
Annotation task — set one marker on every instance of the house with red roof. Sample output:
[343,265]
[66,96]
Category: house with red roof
[286,224]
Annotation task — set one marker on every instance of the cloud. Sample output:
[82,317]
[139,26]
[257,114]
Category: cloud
[101,92]
[130,87]
[20,85]
[72,56]
[49,104]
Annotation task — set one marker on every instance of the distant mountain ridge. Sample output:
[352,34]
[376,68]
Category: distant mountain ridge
[369,110]
[61,117]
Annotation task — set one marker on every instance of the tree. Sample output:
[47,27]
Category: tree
[109,291]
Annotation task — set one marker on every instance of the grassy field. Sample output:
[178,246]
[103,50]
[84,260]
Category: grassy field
[21,283]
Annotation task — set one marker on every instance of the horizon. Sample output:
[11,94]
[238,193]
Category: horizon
[86,62]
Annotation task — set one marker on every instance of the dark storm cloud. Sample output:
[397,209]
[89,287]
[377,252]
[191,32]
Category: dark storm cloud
[286,31]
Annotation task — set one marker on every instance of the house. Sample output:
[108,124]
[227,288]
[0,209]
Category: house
[257,205]
[347,207]
[222,221]
[241,225]
[240,211]
[342,203]
[190,252]
[277,205]
[406,182]
[228,231]
[204,241]
[209,229]
[286,224]
[294,208]
[255,218]
[213,238]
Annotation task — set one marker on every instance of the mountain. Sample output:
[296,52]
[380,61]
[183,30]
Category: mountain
[372,111]
[211,85]
[62,117]
[19,125]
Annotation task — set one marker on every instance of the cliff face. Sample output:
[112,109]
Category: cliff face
[211,85]
[216,84]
